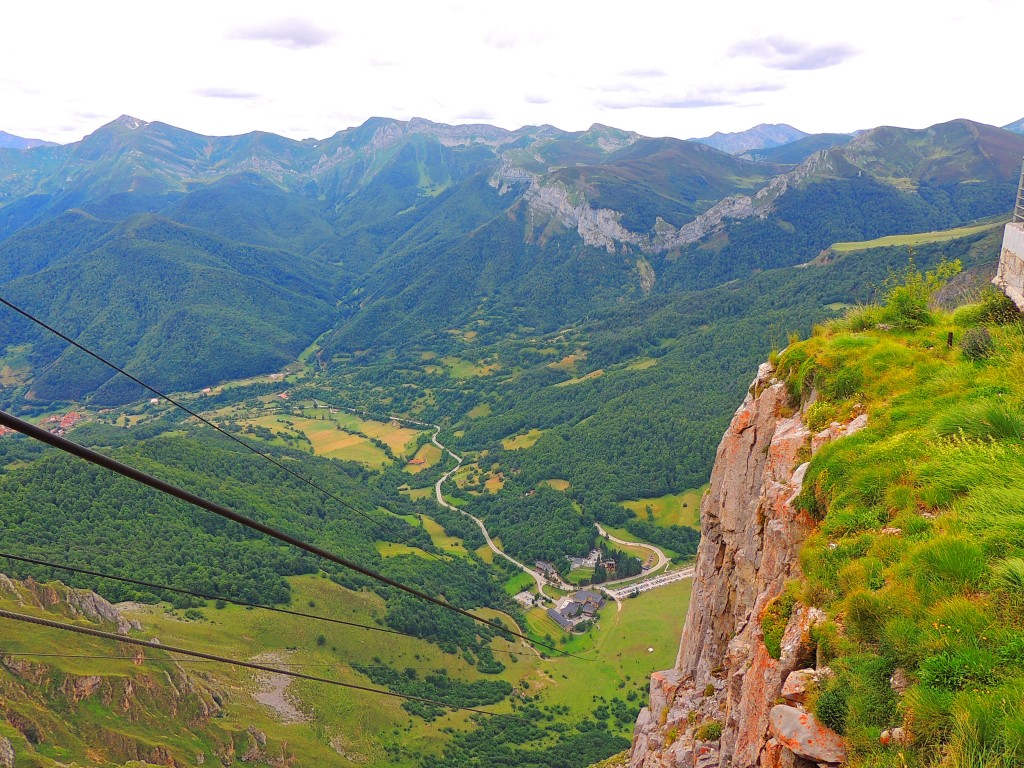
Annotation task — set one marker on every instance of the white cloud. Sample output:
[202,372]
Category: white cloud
[289,33]
[662,69]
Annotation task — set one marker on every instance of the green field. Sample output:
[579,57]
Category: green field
[617,649]
[441,540]
[526,440]
[394,549]
[14,366]
[464,369]
[522,581]
[580,379]
[358,722]
[917,239]
[622,533]
[642,364]
[672,509]
[419,493]
[342,435]
[579,574]
[558,485]
[429,453]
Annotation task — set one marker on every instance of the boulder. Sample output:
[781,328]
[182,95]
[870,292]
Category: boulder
[804,736]
[799,684]
[899,681]
[6,753]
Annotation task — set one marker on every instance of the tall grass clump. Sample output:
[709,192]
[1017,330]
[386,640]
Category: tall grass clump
[992,418]
[918,553]
[908,293]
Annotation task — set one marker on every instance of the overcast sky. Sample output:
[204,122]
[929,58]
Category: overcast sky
[309,69]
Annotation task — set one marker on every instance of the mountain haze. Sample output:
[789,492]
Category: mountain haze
[762,136]
[10,141]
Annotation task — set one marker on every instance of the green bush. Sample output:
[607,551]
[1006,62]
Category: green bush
[909,291]
[947,564]
[832,707]
[820,414]
[956,668]
[1008,575]
[711,731]
[843,384]
[773,622]
[977,344]
[997,307]
[984,420]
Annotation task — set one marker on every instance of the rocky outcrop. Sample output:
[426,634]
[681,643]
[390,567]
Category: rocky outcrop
[76,603]
[751,533]
[804,736]
[598,227]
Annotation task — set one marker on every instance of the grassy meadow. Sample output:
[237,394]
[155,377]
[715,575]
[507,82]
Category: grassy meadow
[336,726]
[671,509]
[919,559]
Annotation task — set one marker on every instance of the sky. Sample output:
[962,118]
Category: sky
[661,68]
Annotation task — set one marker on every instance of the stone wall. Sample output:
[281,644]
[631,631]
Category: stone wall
[1010,277]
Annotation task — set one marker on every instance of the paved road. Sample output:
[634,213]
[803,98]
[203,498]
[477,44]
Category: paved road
[651,583]
[616,594]
[541,580]
[662,559]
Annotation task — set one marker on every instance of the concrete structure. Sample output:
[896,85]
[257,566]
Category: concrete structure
[1010,275]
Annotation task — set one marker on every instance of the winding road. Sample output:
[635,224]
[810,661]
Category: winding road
[617,595]
[662,559]
[541,580]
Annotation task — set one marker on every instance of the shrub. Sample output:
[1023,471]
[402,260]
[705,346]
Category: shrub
[773,622]
[863,318]
[845,383]
[711,731]
[997,307]
[953,670]
[948,564]
[983,420]
[926,712]
[909,291]
[988,729]
[820,414]
[977,344]
[832,707]
[865,615]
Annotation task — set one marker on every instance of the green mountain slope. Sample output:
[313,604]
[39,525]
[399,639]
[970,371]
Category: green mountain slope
[175,305]
[797,151]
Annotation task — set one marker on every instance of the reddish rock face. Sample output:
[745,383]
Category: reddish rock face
[804,736]
[751,534]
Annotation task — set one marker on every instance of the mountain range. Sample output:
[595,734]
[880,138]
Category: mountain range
[579,312]
[394,227]
[10,141]
[762,136]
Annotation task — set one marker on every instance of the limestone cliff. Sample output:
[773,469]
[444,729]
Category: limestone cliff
[717,706]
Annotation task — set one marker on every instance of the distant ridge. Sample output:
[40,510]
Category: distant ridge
[10,141]
[1016,127]
[763,136]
